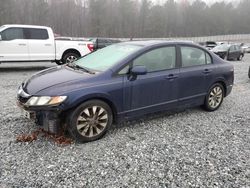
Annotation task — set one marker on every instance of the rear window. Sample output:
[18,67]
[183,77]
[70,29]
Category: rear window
[37,34]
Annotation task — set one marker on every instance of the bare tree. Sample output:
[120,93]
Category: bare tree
[129,18]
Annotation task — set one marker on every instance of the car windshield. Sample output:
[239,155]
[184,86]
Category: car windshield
[105,58]
[222,47]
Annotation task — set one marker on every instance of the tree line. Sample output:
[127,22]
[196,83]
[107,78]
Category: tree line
[129,18]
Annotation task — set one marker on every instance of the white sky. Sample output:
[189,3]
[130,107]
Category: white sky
[207,1]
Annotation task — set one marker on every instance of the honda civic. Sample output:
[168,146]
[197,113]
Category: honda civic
[124,81]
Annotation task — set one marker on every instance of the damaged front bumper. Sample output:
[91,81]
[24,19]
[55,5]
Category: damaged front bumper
[47,117]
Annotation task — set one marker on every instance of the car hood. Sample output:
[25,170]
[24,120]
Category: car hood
[54,77]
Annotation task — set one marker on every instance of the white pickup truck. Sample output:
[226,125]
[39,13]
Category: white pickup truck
[37,43]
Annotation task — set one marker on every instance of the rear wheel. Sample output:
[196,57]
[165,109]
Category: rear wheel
[214,97]
[90,121]
[69,57]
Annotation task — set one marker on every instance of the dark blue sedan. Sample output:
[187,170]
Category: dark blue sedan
[124,81]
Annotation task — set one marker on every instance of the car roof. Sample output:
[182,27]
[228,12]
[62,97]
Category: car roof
[156,42]
[25,26]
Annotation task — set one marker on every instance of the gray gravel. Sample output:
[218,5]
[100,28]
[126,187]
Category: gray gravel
[192,148]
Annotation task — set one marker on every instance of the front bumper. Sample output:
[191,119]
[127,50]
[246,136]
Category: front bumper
[47,117]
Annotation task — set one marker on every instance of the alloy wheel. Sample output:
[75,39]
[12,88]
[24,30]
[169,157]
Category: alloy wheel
[71,59]
[215,97]
[92,121]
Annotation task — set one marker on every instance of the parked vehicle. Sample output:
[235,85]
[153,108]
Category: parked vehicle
[36,43]
[246,48]
[124,81]
[229,52]
[103,42]
[220,43]
[208,44]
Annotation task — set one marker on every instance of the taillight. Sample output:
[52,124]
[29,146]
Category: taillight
[90,47]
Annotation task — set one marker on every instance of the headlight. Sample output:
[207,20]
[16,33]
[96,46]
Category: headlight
[45,100]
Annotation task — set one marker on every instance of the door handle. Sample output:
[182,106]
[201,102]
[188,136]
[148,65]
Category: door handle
[207,71]
[21,44]
[172,77]
[48,44]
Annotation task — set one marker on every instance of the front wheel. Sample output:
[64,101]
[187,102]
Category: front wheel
[240,57]
[214,97]
[90,121]
[69,57]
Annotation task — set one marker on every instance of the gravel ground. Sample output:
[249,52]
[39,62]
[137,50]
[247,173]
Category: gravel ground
[191,148]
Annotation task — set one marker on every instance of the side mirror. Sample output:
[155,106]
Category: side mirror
[139,70]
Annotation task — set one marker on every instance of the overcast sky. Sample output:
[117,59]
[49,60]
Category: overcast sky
[207,1]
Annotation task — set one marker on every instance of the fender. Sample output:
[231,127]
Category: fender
[77,100]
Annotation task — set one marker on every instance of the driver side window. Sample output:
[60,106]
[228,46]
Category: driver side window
[12,33]
[157,60]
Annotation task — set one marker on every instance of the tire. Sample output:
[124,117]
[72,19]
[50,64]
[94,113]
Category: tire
[69,57]
[90,121]
[249,72]
[214,97]
[59,62]
[240,57]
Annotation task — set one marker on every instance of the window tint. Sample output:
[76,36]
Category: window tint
[12,33]
[37,34]
[192,56]
[158,59]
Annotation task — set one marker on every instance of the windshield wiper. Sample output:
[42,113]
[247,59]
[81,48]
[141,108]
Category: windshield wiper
[75,66]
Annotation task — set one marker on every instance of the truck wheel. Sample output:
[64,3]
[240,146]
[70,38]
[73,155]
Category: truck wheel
[90,121]
[69,57]
[59,62]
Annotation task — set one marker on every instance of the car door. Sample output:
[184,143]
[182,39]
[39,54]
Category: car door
[232,52]
[194,75]
[237,51]
[157,89]
[13,45]
[41,47]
